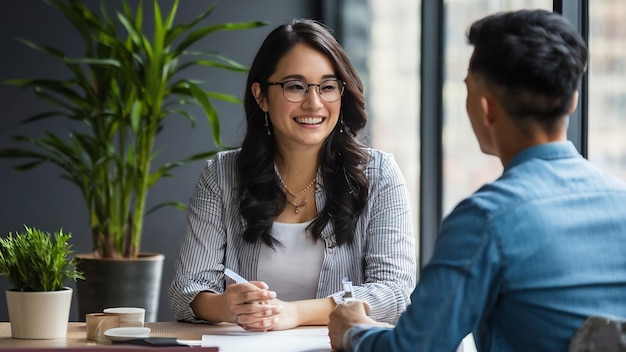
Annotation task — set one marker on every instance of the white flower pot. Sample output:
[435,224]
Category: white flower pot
[39,315]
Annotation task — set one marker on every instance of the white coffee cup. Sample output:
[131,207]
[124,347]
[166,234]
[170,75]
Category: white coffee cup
[129,316]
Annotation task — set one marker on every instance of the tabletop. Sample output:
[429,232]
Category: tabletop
[226,337]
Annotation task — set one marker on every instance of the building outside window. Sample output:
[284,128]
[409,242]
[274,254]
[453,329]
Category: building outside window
[607,85]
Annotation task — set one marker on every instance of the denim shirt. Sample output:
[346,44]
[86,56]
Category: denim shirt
[520,263]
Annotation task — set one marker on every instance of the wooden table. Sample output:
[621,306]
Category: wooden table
[227,337]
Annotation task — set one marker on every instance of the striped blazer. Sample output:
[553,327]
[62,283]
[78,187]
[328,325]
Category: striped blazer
[380,262]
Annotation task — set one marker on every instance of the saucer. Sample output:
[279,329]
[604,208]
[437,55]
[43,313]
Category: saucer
[125,310]
[129,333]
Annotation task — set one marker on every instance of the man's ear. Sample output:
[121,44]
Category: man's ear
[487,106]
[491,108]
[574,103]
[257,92]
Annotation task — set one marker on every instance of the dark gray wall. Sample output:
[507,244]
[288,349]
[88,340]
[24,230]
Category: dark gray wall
[39,198]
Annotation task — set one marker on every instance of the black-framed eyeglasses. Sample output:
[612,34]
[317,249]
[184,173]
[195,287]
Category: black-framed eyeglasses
[295,91]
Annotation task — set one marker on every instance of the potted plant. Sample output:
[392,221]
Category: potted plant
[37,265]
[117,97]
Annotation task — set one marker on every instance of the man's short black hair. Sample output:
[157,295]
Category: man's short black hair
[533,58]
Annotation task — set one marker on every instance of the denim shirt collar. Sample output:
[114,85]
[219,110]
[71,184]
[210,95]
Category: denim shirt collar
[552,150]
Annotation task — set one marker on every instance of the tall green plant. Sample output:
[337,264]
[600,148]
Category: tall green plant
[35,260]
[119,95]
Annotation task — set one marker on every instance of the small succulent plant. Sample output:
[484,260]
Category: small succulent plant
[34,260]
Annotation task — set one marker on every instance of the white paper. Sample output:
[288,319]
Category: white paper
[310,339]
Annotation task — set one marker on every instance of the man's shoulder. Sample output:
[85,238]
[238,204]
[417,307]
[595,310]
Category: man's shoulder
[542,182]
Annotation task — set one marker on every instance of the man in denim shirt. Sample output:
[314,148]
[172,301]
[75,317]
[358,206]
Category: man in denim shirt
[526,259]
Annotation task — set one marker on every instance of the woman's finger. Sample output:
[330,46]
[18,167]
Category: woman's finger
[252,324]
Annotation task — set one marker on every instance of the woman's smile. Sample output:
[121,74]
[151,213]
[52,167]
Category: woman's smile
[309,120]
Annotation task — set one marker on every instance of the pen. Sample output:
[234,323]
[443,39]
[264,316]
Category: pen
[233,275]
[347,290]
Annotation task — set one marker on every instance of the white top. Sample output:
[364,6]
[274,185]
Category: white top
[293,269]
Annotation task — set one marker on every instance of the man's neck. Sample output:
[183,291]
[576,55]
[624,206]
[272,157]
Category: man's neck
[512,140]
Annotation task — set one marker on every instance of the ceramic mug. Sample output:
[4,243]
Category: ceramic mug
[129,316]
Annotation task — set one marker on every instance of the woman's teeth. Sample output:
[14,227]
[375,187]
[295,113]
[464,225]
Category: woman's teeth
[309,120]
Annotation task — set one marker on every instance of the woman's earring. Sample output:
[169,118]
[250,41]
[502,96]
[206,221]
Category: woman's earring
[341,123]
[267,126]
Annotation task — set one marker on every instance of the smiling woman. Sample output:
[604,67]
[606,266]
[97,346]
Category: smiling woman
[315,114]
[302,204]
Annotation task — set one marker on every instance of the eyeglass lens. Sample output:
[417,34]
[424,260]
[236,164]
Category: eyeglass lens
[329,90]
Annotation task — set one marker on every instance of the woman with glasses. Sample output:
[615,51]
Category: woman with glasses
[302,205]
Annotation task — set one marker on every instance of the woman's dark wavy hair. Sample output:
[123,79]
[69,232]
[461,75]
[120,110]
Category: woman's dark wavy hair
[342,161]
[535,58]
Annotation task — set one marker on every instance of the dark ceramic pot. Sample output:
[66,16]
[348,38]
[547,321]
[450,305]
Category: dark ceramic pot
[119,283]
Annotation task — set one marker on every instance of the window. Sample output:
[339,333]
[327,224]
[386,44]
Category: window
[607,85]
[392,87]
[465,167]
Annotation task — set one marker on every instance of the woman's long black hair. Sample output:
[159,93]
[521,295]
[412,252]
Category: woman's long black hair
[342,161]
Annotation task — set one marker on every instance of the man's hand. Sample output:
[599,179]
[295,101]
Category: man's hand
[344,317]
